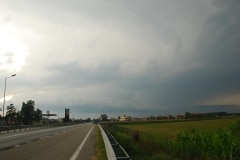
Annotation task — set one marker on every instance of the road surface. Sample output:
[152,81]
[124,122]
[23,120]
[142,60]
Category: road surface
[75,142]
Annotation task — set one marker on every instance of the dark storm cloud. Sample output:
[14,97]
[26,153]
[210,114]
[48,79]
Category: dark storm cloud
[217,51]
[139,57]
[74,74]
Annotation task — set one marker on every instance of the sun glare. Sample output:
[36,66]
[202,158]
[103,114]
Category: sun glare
[12,50]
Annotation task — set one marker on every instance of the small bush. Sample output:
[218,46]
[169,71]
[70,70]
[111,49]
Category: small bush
[135,135]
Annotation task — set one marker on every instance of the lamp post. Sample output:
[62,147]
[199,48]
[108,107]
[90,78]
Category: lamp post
[5,91]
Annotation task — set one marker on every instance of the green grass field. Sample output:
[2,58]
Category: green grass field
[171,129]
[199,139]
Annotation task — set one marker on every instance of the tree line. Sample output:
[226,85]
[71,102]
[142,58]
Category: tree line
[27,115]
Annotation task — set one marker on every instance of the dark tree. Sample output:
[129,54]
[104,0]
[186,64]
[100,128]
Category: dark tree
[37,115]
[27,112]
[19,117]
[187,115]
[11,115]
[104,117]
[88,120]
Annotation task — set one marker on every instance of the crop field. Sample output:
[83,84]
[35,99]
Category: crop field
[192,140]
[171,129]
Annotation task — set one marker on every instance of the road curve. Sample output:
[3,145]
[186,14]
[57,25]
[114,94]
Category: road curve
[77,143]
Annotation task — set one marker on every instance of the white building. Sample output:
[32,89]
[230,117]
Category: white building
[124,118]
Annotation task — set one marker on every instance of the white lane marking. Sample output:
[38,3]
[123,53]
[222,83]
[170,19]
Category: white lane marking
[78,150]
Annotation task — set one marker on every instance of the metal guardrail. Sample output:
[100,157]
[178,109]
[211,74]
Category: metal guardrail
[20,128]
[114,150]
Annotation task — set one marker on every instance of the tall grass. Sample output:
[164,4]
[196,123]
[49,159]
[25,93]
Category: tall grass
[139,146]
[222,144]
[190,144]
[196,144]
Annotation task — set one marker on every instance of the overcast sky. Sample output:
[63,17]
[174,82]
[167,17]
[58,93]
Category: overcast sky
[133,57]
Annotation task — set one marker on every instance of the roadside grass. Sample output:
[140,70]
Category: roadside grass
[192,140]
[100,152]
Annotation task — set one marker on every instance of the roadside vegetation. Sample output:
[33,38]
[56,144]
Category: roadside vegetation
[100,152]
[217,139]
[28,115]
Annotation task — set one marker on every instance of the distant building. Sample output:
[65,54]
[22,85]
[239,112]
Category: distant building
[179,116]
[125,118]
[207,115]
[136,119]
[113,119]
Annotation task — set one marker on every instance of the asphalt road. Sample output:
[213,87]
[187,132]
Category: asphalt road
[63,143]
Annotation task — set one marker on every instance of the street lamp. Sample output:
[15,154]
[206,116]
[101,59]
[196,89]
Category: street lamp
[5,91]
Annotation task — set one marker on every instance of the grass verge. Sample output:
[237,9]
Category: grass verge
[100,152]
